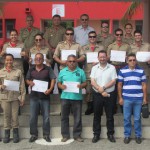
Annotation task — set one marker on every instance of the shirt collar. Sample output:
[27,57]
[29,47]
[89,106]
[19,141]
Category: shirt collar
[107,66]
[67,69]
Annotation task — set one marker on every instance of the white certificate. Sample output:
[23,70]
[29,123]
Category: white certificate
[143,56]
[33,56]
[14,51]
[11,85]
[92,57]
[40,86]
[118,56]
[66,53]
[71,87]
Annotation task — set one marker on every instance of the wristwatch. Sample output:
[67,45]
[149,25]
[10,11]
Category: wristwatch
[104,88]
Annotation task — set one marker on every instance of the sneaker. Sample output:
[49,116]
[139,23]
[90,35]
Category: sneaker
[127,140]
[33,138]
[138,140]
[47,138]
[64,139]
[79,139]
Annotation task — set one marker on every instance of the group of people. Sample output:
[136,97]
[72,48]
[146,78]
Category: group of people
[105,81]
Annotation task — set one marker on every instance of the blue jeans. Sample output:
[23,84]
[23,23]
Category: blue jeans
[35,105]
[129,107]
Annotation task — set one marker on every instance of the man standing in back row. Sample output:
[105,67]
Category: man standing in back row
[54,34]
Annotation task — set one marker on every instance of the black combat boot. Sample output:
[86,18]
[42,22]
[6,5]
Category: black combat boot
[15,135]
[7,136]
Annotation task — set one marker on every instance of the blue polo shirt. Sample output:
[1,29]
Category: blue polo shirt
[77,75]
[132,83]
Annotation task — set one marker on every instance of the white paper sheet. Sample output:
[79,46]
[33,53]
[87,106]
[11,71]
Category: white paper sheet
[71,87]
[118,56]
[143,56]
[92,57]
[14,51]
[40,86]
[33,56]
[11,85]
[66,53]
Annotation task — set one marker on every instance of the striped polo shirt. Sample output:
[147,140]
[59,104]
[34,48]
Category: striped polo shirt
[132,82]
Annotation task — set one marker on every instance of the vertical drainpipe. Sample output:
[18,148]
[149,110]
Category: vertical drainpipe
[111,26]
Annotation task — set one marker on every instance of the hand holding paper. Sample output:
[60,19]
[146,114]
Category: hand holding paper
[118,56]
[143,56]
[71,87]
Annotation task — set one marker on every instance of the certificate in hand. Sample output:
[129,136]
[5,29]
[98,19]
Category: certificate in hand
[143,56]
[92,57]
[33,56]
[71,87]
[11,85]
[14,51]
[66,53]
[118,56]
[40,86]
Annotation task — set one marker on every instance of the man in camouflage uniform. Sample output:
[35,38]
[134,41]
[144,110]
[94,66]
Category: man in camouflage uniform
[90,48]
[27,34]
[140,46]
[54,34]
[120,46]
[128,37]
[105,38]
[68,44]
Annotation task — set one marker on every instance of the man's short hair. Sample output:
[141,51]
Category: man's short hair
[92,32]
[118,29]
[71,55]
[84,15]
[39,54]
[105,23]
[56,16]
[102,51]
[70,29]
[30,16]
[138,31]
[128,24]
[8,55]
[131,55]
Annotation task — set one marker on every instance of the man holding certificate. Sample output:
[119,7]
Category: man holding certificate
[71,81]
[12,94]
[117,52]
[67,47]
[41,79]
[91,51]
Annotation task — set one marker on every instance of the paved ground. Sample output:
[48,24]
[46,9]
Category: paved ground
[103,144]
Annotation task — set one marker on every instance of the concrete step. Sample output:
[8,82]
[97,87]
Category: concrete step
[87,122]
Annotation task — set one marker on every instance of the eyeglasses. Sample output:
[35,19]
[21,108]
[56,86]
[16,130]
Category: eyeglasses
[38,59]
[119,34]
[38,40]
[84,19]
[92,36]
[69,33]
[105,27]
[71,61]
[131,60]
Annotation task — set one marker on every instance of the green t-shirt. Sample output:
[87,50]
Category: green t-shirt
[77,75]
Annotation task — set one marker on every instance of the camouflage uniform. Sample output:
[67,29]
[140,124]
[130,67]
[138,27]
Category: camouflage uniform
[106,41]
[65,46]
[10,99]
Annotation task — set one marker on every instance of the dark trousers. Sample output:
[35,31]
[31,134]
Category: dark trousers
[35,105]
[108,104]
[66,107]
